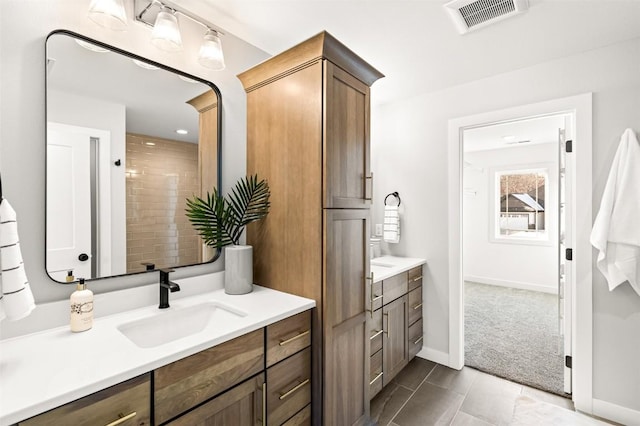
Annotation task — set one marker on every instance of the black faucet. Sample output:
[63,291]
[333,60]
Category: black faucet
[165,287]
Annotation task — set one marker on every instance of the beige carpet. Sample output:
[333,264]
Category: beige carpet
[531,412]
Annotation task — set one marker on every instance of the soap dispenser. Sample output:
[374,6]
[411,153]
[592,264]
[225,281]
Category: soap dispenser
[81,307]
[70,278]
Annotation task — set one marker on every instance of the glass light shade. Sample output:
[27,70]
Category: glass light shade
[166,32]
[145,65]
[211,55]
[109,14]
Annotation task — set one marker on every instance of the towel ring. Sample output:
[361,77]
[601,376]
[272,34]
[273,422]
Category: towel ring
[395,194]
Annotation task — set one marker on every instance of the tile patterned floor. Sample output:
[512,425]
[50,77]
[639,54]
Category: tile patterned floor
[425,393]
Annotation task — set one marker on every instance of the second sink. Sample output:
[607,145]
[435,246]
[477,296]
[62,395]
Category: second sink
[170,325]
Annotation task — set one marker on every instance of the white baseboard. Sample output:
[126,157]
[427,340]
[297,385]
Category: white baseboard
[617,413]
[436,356]
[512,284]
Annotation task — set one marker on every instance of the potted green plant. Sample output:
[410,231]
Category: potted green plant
[221,221]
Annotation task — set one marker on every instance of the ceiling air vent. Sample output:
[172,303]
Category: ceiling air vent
[470,15]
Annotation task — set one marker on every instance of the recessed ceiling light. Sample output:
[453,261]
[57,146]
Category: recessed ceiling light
[150,143]
[182,131]
[145,65]
[509,138]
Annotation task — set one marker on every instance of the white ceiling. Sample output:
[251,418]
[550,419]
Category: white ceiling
[518,133]
[415,44]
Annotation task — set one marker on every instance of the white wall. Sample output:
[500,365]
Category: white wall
[409,155]
[529,266]
[24,26]
[82,111]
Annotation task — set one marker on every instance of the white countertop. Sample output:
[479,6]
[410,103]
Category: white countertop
[46,369]
[387,266]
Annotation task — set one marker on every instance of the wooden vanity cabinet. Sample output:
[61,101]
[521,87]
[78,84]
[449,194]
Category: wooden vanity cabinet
[396,327]
[308,136]
[125,404]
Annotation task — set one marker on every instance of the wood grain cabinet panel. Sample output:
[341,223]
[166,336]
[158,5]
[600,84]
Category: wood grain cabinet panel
[239,406]
[394,287]
[128,403]
[188,382]
[375,378]
[376,331]
[395,351]
[288,387]
[308,135]
[415,338]
[302,418]
[288,336]
[415,305]
[415,277]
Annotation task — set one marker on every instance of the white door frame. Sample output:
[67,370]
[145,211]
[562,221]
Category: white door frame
[581,217]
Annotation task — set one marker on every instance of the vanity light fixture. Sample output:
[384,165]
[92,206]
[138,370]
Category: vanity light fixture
[211,55]
[90,46]
[109,14]
[166,31]
[145,65]
[163,18]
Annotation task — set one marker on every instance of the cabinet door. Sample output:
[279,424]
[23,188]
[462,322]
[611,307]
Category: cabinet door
[346,296]
[243,405]
[395,351]
[347,175]
[127,404]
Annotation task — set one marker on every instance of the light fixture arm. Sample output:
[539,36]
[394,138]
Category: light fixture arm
[147,10]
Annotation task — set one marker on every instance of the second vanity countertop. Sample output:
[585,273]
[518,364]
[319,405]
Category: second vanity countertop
[387,266]
[44,370]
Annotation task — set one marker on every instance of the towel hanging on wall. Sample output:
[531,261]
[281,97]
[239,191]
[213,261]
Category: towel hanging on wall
[16,300]
[391,226]
[616,233]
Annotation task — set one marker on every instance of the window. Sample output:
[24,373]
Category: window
[520,204]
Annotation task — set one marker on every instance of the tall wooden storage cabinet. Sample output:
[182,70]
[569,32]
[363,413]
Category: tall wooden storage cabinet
[308,135]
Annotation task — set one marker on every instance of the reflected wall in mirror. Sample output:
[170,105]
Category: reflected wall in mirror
[128,141]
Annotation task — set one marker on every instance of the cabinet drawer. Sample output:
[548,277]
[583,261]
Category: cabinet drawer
[376,331]
[376,296]
[288,387]
[188,382]
[415,277]
[375,380]
[302,418]
[415,305]
[288,336]
[241,406]
[415,337]
[130,399]
[394,287]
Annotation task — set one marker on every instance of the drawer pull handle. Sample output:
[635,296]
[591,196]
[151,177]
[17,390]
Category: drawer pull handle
[376,298]
[386,314]
[285,342]
[379,332]
[418,306]
[122,419]
[365,184]
[294,389]
[418,340]
[371,297]
[417,278]
[376,378]
[264,403]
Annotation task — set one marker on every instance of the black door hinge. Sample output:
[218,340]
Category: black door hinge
[569,254]
[569,146]
[568,361]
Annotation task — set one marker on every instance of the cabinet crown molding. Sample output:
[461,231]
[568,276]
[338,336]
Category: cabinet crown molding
[321,46]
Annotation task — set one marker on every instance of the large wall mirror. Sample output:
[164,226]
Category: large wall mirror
[128,141]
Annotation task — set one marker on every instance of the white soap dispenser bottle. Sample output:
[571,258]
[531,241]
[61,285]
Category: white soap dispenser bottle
[81,307]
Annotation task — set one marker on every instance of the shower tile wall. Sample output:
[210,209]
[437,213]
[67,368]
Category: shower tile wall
[159,178]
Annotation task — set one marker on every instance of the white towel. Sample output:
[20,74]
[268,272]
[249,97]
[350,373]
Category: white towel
[16,301]
[616,230]
[391,226]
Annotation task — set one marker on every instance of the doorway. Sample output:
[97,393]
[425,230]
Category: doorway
[580,217]
[513,204]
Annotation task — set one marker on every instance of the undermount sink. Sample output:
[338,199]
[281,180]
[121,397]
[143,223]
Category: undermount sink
[174,324]
[382,265]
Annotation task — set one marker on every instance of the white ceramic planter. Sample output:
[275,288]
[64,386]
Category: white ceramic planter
[238,269]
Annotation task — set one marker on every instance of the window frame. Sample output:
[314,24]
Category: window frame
[542,237]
